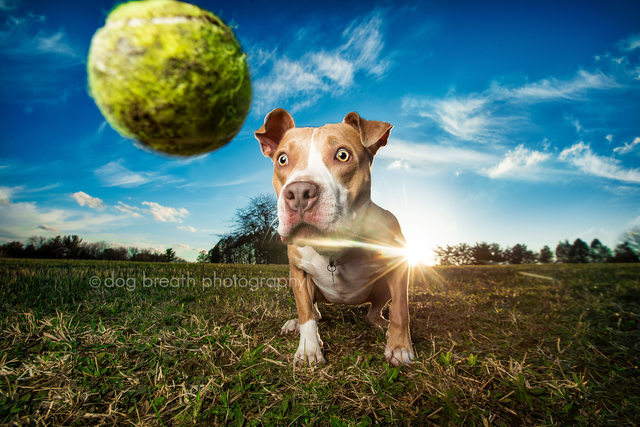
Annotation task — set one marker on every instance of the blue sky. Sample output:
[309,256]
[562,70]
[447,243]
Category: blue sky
[512,122]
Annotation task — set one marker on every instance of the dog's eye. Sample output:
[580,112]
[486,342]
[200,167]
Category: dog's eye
[343,155]
[283,159]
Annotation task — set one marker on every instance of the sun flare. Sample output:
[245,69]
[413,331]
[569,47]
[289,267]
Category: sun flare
[418,252]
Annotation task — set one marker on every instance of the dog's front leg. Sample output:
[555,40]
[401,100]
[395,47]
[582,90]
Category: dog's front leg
[399,349]
[310,347]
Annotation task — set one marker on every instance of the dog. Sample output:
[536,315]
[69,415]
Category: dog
[342,247]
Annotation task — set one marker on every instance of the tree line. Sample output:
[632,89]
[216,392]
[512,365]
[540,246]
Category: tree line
[565,252]
[73,247]
[253,238]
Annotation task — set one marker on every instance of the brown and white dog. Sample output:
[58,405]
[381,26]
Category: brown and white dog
[342,247]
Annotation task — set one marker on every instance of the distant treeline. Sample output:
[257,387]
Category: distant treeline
[73,247]
[253,239]
[565,252]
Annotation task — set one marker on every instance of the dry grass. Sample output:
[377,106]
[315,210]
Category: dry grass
[493,346]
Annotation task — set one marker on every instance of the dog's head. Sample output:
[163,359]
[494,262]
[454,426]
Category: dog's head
[322,176]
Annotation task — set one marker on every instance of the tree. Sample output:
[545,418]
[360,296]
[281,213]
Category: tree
[254,238]
[579,252]
[115,254]
[72,244]
[203,256]
[12,250]
[255,229]
[633,238]
[546,256]
[562,251]
[170,255]
[497,254]
[519,254]
[624,253]
[599,252]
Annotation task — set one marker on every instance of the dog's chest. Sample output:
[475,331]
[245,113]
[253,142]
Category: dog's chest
[350,283]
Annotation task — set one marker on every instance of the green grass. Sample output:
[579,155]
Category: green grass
[493,347]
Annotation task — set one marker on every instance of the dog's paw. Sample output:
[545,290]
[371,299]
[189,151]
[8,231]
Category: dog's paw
[310,347]
[399,356]
[290,326]
[378,321]
[309,355]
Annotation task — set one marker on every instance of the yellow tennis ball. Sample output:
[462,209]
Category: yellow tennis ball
[170,75]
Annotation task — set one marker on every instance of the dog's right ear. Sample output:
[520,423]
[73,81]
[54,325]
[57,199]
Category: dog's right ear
[276,124]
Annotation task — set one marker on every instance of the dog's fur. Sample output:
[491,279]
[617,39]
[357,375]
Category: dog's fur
[326,216]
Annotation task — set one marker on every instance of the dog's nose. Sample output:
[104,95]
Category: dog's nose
[301,196]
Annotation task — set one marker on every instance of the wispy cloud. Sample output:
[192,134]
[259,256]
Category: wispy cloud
[187,228]
[475,117]
[25,219]
[407,155]
[630,43]
[552,89]
[399,165]
[5,194]
[84,199]
[7,5]
[296,82]
[464,117]
[628,146]
[520,162]
[114,174]
[127,209]
[26,50]
[166,213]
[581,156]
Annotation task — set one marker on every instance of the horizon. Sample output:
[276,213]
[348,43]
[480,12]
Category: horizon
[512,123]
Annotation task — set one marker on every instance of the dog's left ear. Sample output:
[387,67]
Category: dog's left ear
[373,134]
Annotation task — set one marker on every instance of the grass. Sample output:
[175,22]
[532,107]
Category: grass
[556,345]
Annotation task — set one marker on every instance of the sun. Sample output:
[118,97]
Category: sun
[418,252]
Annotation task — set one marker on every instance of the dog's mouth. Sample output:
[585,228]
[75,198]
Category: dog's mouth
[303,231]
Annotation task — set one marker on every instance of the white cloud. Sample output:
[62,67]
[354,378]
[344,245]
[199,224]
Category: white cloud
[609,138]
[576,124]
[84,199]
[399,165]
[166,213]
[335,68]
[25,219]
[628,146]
[475,116]
[520,162]
[127,209]
[303,80]
[581,156]
[114,174]
[5,194]
[26,50]
[187,228]
[7,5]
[554,89]
[407,154]
[630,43]
[464,117]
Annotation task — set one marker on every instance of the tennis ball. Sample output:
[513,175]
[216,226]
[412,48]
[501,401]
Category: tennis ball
[169,75]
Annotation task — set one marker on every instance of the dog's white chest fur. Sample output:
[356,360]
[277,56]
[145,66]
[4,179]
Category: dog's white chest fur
[351,283]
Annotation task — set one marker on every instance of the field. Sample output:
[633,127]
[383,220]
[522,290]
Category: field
[557,345]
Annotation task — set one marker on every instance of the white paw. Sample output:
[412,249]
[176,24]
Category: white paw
[310,347]
[399,356]
[289,326]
